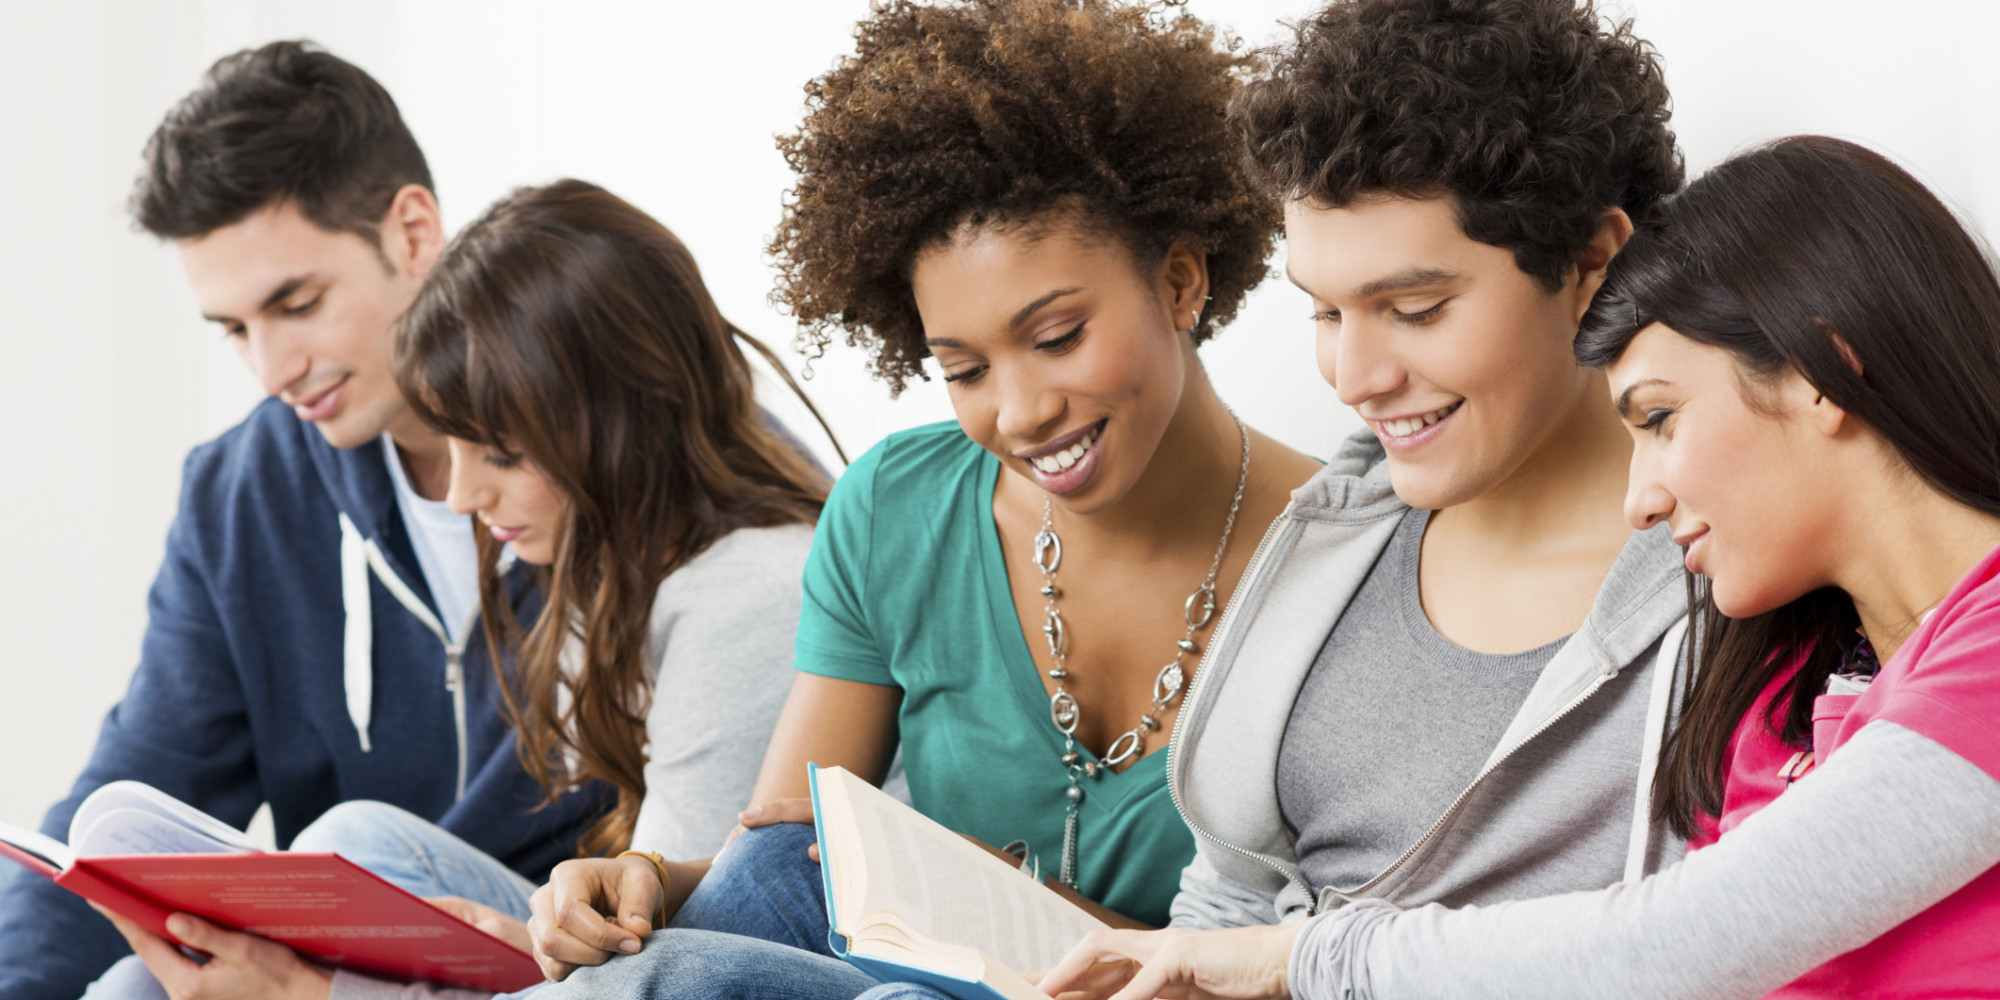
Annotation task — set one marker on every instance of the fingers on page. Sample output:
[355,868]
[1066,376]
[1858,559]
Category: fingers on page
[1149,982]
[1097,948]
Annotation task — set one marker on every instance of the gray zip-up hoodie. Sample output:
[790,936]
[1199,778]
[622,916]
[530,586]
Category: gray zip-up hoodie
[1563,801]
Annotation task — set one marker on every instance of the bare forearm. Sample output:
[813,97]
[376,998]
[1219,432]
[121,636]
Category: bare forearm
[683,876]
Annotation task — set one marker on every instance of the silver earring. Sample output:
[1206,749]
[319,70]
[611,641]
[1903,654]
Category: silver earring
[1196,314]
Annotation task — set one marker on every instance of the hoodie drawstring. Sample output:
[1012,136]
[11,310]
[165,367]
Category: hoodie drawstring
[1666,669]
[359,644]
[358,558]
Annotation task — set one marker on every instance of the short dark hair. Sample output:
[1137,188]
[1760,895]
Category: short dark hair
[288,121]
[1534,114]
[1008,112]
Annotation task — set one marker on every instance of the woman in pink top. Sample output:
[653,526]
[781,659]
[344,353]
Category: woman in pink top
[1807,350]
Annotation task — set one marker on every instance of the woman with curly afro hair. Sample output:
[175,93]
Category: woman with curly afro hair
[1043,199]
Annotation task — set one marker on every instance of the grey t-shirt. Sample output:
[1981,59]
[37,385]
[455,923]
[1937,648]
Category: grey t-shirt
[1392,723]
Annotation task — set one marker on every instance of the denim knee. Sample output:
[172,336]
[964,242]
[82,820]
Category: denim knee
[340,829]
[690,963]
[763,886]
[902,991]
[756,855]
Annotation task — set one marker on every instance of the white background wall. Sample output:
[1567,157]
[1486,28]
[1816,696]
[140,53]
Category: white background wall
[107,376]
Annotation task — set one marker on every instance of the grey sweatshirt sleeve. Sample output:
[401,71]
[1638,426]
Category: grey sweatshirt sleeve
[723,627]
[1876,835]
[1209,900]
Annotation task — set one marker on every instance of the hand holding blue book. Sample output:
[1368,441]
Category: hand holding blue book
[911,901]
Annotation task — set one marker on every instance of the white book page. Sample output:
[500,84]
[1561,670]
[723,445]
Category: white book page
[949,890]
[136,831]
[141,814]
[48,849]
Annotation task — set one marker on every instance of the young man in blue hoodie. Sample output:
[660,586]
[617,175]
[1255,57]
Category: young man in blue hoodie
[312,635]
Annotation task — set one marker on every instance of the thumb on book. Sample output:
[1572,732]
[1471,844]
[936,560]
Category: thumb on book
[198,934]
[201,935]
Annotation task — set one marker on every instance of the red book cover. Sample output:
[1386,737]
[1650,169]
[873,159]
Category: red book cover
[322,905]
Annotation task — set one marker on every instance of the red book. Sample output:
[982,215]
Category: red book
[144,855]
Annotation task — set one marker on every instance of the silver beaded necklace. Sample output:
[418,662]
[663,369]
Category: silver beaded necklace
[1063,708]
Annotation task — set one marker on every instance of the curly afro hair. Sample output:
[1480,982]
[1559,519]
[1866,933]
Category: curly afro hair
[1535,114]
[998,112]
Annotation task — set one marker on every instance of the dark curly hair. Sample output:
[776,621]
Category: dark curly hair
[998,112]
[1535,114]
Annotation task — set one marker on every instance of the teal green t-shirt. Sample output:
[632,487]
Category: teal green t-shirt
[906,587]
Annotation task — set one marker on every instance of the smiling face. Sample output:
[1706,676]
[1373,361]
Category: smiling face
[1458,360]
[1063,360]
[313,312]
[514,502]
[1740,469]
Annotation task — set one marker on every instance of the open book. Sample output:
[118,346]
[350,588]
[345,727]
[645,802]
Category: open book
[145,855]
[910,901]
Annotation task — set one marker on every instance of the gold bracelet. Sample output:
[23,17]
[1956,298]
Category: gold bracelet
[666,882]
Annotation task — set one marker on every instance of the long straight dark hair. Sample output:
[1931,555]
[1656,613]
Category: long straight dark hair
[1784,256]
[568,327]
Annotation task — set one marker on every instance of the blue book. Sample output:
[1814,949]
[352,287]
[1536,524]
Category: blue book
[910,901]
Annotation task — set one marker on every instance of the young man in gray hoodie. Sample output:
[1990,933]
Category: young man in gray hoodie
[1446,672]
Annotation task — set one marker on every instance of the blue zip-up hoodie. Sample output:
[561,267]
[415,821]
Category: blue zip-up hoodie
[264,671]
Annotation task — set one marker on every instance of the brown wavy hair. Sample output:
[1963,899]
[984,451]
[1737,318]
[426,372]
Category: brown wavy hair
[567,327]
[998,111]
[1783,256]
[1535,115]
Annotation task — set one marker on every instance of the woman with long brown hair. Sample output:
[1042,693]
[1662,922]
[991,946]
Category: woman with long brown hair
[603,427]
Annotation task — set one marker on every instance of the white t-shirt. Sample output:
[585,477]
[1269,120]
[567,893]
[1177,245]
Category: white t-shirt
[447,549]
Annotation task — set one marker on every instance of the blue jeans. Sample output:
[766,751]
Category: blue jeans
[755,927]
[407,851]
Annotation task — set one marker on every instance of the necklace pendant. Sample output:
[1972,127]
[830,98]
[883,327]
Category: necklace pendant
[1124,748]
[1063,712]
[1074,763]
[1167,684]
[1048,550]
[1200,606]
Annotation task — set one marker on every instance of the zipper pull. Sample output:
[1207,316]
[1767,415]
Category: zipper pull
[454,670]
